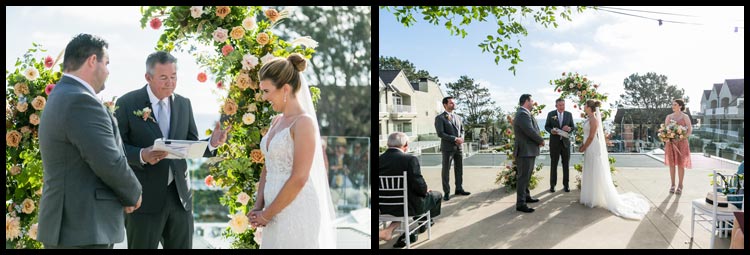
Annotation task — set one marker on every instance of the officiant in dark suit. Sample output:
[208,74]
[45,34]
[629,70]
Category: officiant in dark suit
[166,214]
[559,145]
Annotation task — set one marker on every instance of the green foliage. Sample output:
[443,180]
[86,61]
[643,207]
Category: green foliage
[650,93]
[457,18]
[25,157]
[472,100]
[239,162]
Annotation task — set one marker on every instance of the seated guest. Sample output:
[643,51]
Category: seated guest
[394,162]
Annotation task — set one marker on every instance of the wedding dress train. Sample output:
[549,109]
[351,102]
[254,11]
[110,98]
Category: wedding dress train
[597,189]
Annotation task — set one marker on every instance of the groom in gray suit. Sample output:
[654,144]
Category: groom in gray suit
[526,149]
[450,130]
[87,181]
[167,211]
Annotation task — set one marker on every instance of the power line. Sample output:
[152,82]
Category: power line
[685,15]
[659,20]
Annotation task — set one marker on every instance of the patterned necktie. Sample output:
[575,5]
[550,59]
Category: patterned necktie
[163,120]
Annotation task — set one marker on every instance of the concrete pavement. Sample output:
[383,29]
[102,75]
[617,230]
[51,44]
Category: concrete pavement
[487,218]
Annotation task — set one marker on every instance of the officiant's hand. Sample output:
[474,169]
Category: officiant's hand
[151,156]
[553,131]
[219,136]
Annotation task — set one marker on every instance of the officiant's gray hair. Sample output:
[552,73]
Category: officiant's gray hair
[161,57]
[397,139]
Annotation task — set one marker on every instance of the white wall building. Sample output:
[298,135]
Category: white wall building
[407,107]
[723,110]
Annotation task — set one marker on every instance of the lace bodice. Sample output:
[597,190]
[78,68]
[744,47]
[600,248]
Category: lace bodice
[278,158]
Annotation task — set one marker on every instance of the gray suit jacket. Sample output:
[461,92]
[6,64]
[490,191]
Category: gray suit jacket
[527,134]
[448,132]
[138,134]
[87,181]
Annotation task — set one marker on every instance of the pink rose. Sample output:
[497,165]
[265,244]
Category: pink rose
[49,88]
[209,181]
[202,77]
[48,62]
[227,49]
[155,23]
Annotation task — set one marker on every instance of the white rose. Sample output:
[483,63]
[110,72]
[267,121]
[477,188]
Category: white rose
[220,34]
[249,23]
[31,73]
[571,85]
[252,107]
[239,223]
[268,57]
[196,11]
[249,61]
[248,119]
[243,198]
[33,231]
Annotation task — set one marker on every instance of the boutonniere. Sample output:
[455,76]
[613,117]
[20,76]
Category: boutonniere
[111,105]
[145,114]
[554,117]
[448,116]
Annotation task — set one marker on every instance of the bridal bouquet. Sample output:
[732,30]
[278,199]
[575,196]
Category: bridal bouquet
[672,132]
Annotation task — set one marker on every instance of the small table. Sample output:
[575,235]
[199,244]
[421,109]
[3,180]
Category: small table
[738,231]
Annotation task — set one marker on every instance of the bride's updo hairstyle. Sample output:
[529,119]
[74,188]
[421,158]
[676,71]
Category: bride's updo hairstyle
[593,104]
[284,71]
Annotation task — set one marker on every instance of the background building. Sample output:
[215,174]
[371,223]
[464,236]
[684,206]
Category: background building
[406,106]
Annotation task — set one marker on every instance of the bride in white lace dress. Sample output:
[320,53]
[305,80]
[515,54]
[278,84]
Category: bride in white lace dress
[597,188]
[293,204]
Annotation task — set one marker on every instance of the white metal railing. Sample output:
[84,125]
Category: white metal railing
[708,129]
[403,108]
[733,133]
[732,110]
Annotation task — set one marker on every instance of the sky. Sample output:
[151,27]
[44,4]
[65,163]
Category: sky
[606,47]
[129,45]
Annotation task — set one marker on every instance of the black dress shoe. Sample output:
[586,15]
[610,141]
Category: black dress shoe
[401,243]
[422,229]
[525,209]
[567,189]
[446,197]
[532,200]
[461,192]
[552,189]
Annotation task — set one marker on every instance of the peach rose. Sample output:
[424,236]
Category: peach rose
[243,81]
[243,198]
[34,119]
[263,39]
[223,11]
[230,107]
[27,206]
[33,231]
[39,192]
[239,223]
[258,97]
[22,106]
[15,169]
[272,14]
[237,33]
[13,138]
[38,103]
[256,156]
[21,89]
[25,130]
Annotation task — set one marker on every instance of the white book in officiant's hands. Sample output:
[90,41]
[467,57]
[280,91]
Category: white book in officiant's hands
[181,149]
[561,132]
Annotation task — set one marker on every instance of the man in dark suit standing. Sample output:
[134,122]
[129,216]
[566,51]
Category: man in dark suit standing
[525,151]
[394,162]
[167,211]
[559,145]
[450,130]
[87,181]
